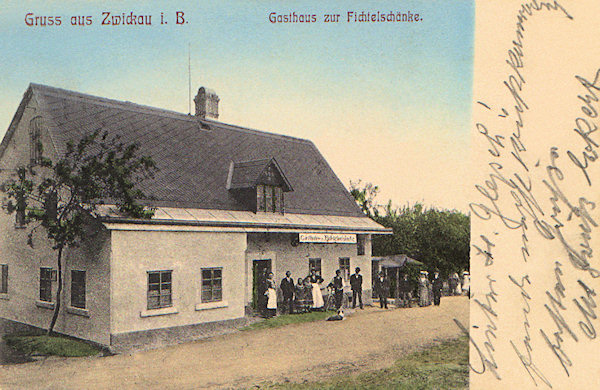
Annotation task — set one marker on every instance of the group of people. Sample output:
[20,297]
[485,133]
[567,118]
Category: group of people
[305,295]
[428,291]
[459,285]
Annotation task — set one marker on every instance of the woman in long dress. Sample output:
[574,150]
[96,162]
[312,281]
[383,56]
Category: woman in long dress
[423,290]
[299,293]
[271,296]
[454,284]
[317,296]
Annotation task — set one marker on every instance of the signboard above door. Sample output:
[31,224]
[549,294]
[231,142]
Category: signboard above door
[328,238]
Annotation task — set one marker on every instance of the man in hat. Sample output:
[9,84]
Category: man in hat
[437,288]
[382,289]
[337,285]
[287,288]
[356,286]
[405,290]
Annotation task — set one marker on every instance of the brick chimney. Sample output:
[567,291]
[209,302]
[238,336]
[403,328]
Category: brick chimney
[207,104]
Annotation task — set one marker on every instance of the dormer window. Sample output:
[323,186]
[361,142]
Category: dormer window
[258,185]
[269,198]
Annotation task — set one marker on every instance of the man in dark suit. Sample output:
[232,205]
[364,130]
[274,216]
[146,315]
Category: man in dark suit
[287,288]
[382,289]
[356,286]
[405,289]
[337,285]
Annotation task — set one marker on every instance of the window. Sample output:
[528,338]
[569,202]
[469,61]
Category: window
[314,264]
[360,245]
[212,289]
[269,198]
[46,284]
[4,283]
[277,200]
[345,267]
[260,197]
[35,147]
[78,289]
[159,289]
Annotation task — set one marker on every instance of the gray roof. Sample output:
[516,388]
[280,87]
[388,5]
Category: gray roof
[193,155]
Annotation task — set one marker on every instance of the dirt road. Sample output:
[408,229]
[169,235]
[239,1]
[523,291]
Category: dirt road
[369,339]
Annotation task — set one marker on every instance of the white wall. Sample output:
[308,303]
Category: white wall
[134,253]
[22,301]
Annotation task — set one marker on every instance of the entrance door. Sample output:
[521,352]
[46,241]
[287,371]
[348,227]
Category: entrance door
[374,274]
[259,270]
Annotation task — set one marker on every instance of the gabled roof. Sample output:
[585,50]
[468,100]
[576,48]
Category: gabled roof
[248,174]
[193,155]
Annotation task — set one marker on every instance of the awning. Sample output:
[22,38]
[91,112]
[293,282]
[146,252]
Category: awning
[395,261]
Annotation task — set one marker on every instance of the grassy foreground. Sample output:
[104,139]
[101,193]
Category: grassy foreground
[49,345]
[443,366]
[287,319]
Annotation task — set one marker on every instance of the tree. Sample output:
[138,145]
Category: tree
[365,196]
[63,196]
[438,238]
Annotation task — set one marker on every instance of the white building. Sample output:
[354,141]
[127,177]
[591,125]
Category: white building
[230,202]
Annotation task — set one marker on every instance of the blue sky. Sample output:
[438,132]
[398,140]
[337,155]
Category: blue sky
[384,102]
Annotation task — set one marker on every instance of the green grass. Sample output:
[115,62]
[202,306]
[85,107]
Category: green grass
[30,344]
[287,319]
[444,366]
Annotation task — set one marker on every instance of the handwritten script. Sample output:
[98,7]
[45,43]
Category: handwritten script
[534,218]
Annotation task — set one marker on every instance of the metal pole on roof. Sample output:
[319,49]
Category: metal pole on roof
[189,78]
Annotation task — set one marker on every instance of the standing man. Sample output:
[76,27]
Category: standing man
[382,289]
[356,286]
[405,290]
[437,288]
[287,288]
[337,285]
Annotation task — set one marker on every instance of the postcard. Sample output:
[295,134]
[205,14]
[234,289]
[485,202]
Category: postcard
[189,186]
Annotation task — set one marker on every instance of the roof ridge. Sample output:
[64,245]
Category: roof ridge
[131,106]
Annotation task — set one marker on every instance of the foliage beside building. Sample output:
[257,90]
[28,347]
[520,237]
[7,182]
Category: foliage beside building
[438,238]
